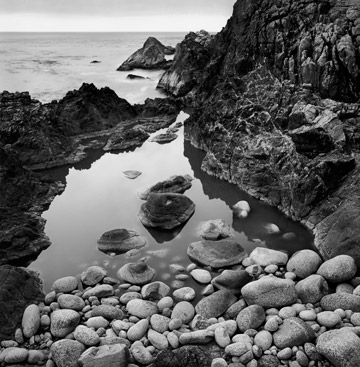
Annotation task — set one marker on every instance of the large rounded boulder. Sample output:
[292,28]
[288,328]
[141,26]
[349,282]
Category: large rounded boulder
[166,210]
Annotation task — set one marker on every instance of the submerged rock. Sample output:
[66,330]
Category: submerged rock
[132,174]
[119,241]
[174,184]
[166,210]
[150,56]
[216,229]
[136,273]
[217,254]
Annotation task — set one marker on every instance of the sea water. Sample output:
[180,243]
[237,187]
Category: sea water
[98,197]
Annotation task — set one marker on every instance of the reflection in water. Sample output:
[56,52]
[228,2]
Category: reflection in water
[98,198]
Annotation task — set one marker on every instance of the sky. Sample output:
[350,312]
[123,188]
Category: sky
[113,15]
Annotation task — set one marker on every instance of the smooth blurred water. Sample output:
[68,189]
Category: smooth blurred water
[50,64]
[98,198]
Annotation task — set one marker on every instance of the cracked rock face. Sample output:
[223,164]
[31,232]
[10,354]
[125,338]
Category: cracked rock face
[276,110]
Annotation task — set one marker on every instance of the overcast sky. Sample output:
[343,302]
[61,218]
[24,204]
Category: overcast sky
[114,15]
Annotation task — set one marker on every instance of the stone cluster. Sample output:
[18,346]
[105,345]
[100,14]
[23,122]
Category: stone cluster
[265,311]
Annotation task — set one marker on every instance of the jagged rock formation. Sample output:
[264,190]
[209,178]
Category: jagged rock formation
[37,136]
[276,108]
[150,56]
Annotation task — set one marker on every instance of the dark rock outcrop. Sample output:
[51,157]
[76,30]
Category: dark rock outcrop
[276,108]
[166,210]
[19,288]
[150,56]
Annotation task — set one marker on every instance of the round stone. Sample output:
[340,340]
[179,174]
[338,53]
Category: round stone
[141,308]
[70,301]
[263,339]
[184,294]
[328,319]
[86,336]
[201,276]
[31,321]
[338,269]
[304,263]
[65,285]
[184,311]
[136,273]
[250,317]
[155,290]
[63,322]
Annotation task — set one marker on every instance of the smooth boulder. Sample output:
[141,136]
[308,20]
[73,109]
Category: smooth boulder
[304,263]
[338,269]
[270,291]
[121,240]
[166,210]
[217,254]
[215,304]
[312,289]
[264,256]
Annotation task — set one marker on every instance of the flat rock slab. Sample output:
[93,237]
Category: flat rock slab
[217,254]
[164,138]
[175,184]
[136,273]
[119,241]
[132,174]
[166,210]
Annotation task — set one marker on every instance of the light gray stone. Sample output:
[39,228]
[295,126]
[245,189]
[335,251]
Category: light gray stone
[66,352]
[141,308]
[137,331]
[184,311]
[63,322]
[312,289]
[304,263]
[86,336]
[338,269]
[71,302]
[31,321]
[99,291]
[264,256]
[93,275]
[158,340]
[116,355]
[65,285]
[250,317]
[215,304]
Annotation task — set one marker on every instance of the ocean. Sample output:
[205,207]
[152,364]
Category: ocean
[49,64]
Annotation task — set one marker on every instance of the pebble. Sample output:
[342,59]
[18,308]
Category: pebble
[158,340]
[160,323]
[184,294]
[165,302]
[222,337]
[263,339]
[93,275]
[86,336]
[308,315]
[202,276]
[65,284]
[285,353]
[137,331]
[141,308]
[97,322]
[31,321]
[328,319]
[184,311]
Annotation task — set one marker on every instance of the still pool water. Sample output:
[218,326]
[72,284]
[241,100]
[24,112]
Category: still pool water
[99,198]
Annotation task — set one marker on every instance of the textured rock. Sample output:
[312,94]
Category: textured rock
[175,184]
[292,332]
[345,301]
[155,290]
[86,336]
[312,289]
[304,263]
[70,301]
[63,322]
[341,347]
[66,353]
[184,311]
[136,273]
[119,241]
[150,56]
[93,275]
[128,139]
[216,254]
[166,210]
[250,317]
[116,355]
[14,355]
[108,312]
[164,138]
[338,269]
[215,304]
[101,290]
[65,285]
[270,292]
[216,229]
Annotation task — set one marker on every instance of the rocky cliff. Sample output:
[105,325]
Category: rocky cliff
[275,98]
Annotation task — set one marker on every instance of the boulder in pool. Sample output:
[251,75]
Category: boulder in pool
[119,241]
[136,273]
[175,184]
[216,229]
[217,254]
[166,210]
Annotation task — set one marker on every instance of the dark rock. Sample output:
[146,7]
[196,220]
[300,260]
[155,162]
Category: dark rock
[166,210]
[119,241]
[191,56]
[269,361]
[217,254]
[150,56]
[174,184]
[188,356]
[19,288]
[215,304]
[164,138]
[127,140]
[133,76]
[95,62]
[232,280]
